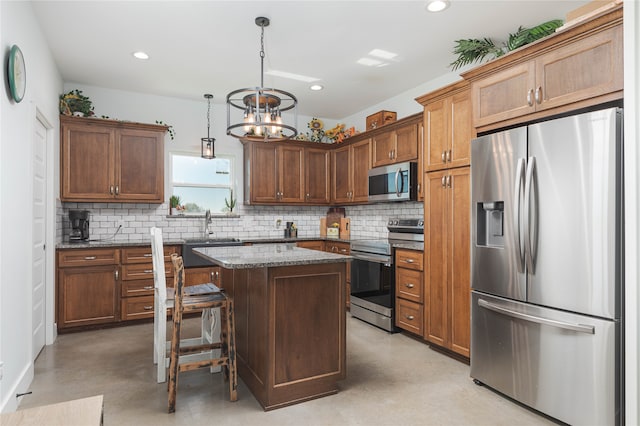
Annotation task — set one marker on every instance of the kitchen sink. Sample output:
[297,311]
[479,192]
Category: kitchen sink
[192,259]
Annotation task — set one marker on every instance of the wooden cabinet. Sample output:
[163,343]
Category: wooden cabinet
[575,68]
[106,160]
[395,145]
[447,248]
[201,275]
[350,166]
[317,176]
[87,287]
[409,291]
[312,245]
[274,173]
[448,128]
[136,297]
[106,285]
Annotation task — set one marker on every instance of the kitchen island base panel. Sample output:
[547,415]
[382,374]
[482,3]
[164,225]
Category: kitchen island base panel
[290,331]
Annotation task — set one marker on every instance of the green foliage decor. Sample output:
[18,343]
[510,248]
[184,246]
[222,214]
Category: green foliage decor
[475,50]
[75,101]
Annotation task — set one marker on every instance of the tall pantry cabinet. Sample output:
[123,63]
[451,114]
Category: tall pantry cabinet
[448,130]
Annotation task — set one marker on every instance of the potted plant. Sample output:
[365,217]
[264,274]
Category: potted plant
[231,204]
[75,103]
[174,203]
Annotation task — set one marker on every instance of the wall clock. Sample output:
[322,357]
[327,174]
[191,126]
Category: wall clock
[17,74]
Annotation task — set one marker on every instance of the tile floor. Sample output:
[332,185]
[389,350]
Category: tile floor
[391,380]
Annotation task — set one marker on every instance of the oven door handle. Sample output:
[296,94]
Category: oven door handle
[372,258]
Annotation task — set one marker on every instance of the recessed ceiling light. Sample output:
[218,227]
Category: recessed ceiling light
[316,87]
[140,55]
[383,54]
[369,62]
[437,5]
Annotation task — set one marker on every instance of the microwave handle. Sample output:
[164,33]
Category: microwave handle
[398,188]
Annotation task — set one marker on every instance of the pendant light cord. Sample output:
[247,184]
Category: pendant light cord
[208,115]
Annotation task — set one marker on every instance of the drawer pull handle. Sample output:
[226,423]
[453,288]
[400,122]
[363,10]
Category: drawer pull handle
[409,317]
[147,255]
[408,260]
[148,287]
[148,308]
[148,271]
[90,258]
[409,285]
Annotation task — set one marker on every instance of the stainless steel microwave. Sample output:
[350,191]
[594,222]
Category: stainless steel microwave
[396,182]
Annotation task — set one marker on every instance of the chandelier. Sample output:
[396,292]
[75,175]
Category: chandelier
[207,148]
[257,111]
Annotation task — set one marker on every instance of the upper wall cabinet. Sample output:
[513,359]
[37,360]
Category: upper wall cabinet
[395,143]
[448,128]
[106,161]
[574,68]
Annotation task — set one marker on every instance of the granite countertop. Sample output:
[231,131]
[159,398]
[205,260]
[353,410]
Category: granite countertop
[410,245]
[268,255]
[147,242]
[113,243]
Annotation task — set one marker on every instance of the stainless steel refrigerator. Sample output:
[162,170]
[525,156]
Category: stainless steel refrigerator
[546,266]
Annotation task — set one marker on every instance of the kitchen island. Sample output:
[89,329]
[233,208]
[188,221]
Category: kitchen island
[290,319]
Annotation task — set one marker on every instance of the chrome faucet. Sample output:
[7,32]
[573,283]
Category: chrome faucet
[207,221]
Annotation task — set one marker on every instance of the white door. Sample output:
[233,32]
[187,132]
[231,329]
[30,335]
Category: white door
[38,275]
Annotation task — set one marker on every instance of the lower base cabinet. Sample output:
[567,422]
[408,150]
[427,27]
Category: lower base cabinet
[409,291]
[339,247]
[87,287]
[106,285]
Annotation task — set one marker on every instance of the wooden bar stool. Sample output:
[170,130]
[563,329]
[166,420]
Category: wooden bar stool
[227,358]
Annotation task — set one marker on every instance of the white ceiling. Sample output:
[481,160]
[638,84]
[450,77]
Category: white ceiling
[199,47]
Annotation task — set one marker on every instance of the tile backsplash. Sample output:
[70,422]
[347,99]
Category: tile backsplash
[367,221]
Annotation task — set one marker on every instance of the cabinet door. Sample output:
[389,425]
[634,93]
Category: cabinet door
[87,296]
[360,165]
[87,163]
[406,143]
[435,136]
[435,245]
[506,94]
[584,69]
[140,166]
[340,175]
[209,274]
[291,174]
[264,173]
[383,148]
[458,260]
[461,130]
[317,178]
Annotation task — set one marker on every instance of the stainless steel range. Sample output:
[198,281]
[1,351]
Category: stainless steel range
[373,273]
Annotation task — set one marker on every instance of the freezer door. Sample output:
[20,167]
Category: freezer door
[572,205]
[559,363]
[497,183]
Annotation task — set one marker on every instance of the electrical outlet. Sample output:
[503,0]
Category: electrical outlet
[119,224]
[278,223]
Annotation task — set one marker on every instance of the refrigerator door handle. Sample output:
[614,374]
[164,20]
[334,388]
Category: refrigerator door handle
[517,214]
[530,215]
[580,328]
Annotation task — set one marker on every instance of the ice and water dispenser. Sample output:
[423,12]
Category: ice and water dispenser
[490,226]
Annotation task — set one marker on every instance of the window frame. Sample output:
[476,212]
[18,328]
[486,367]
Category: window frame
[230,186]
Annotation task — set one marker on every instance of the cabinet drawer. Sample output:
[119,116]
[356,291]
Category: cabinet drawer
[409,316]
[91,257]
[139,271]
[131,288]
[410,259]
[409,285]
[143,254]
[137,307]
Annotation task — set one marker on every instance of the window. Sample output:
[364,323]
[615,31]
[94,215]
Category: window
[202,184]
